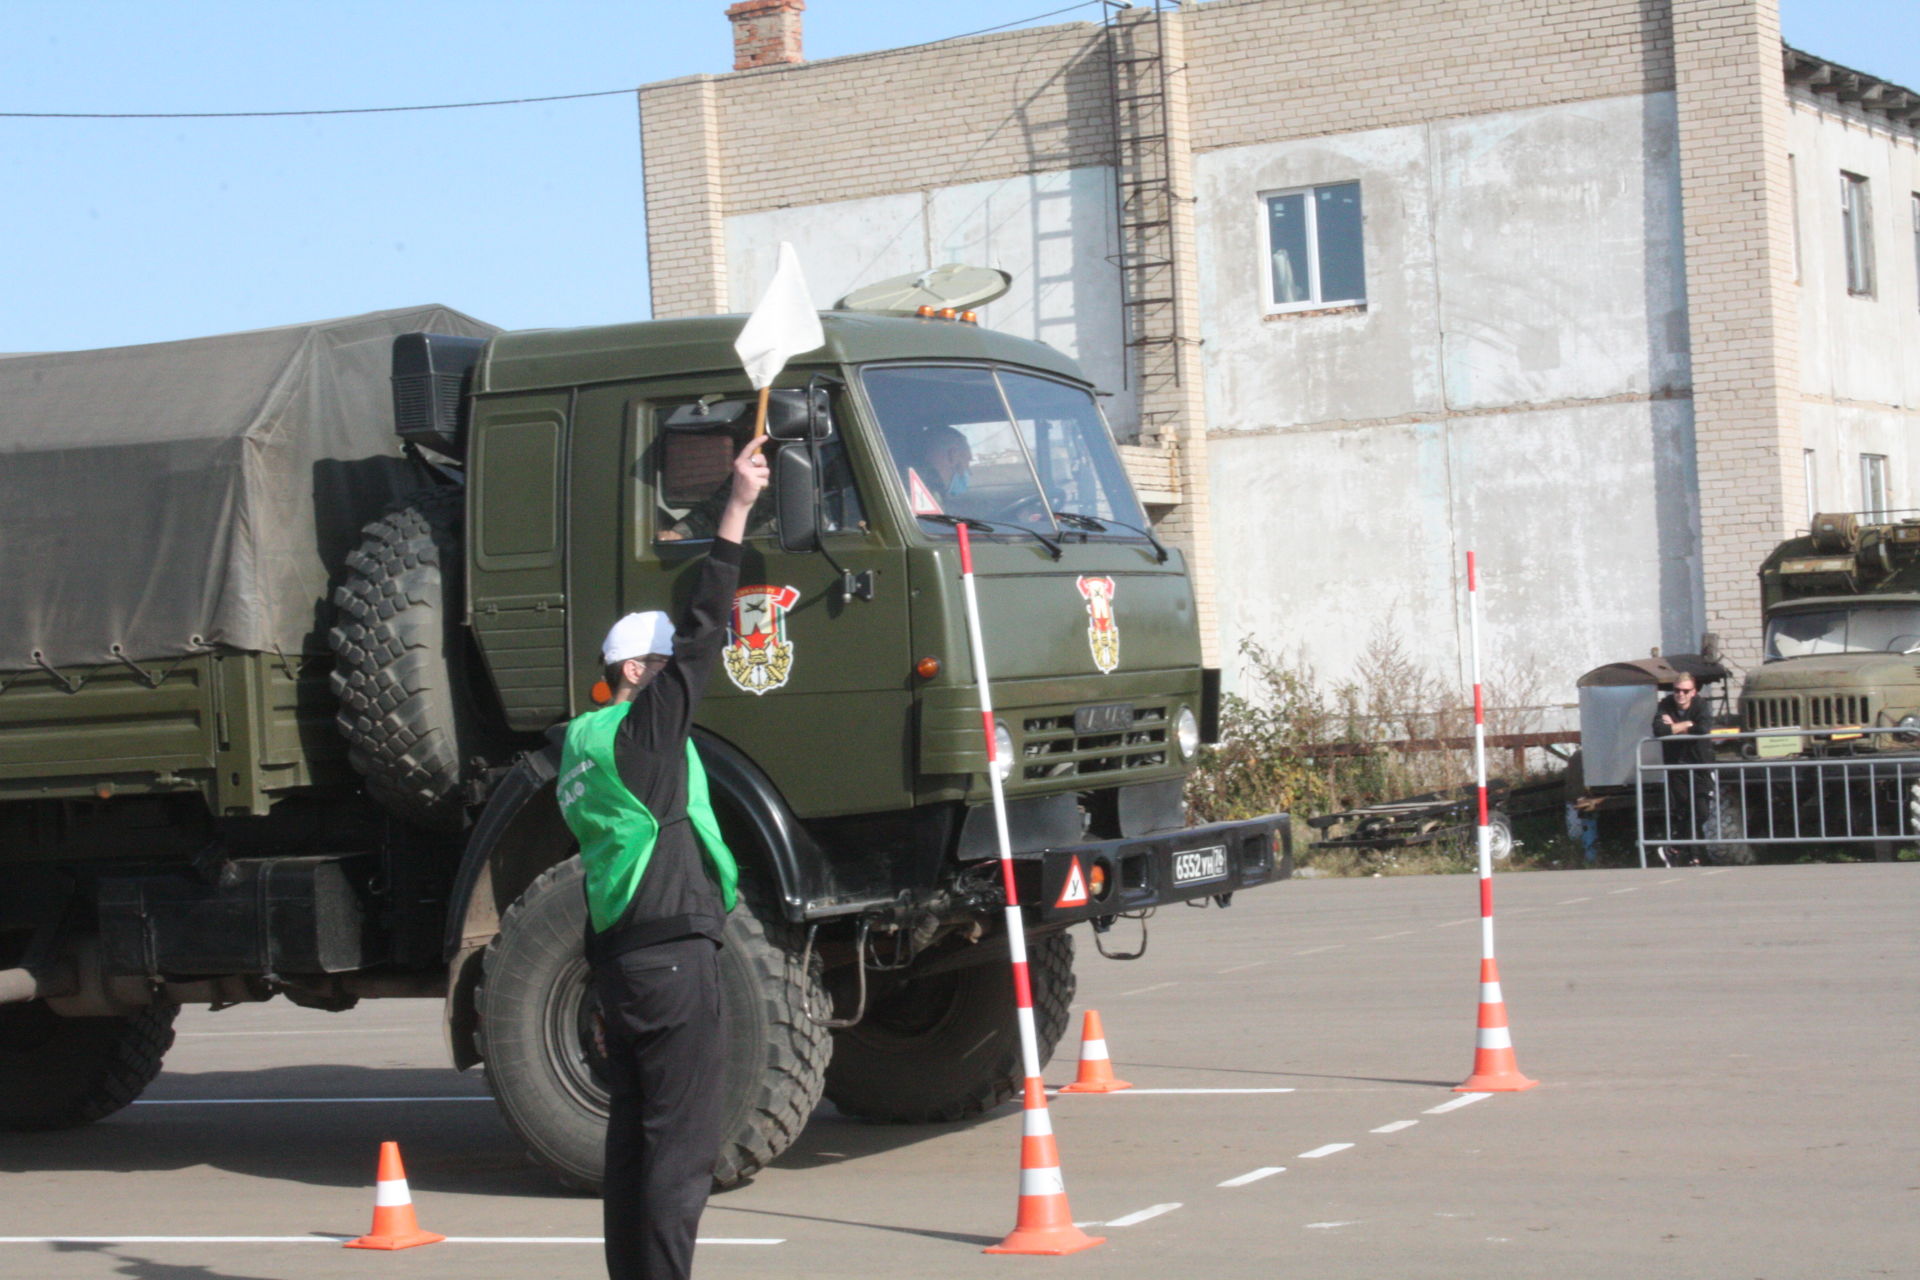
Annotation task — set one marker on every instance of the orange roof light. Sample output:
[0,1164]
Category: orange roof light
[970,317]
[925,313]
[948,313]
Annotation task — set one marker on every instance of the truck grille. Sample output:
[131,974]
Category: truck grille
[1051,749]
[1787,712]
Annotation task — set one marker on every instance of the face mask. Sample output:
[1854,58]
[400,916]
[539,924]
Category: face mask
[958,485]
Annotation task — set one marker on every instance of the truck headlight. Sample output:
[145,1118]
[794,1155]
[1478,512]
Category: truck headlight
[1908,730]
[1002,751]
[1187,726]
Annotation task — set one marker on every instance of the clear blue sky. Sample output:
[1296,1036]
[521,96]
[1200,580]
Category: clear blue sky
[122,231]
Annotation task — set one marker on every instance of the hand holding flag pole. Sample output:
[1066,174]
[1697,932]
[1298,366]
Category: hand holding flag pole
[781,327]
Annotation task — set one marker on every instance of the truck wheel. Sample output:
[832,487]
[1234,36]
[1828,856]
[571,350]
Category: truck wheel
[1726,831]
[536,1008]
[398,651]
[56,1073]
[947,1047]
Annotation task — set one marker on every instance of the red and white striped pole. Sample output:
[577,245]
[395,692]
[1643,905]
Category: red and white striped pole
[1044,1224]
[1494,1067]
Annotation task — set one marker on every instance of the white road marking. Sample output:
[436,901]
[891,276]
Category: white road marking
[1570,901]
[256,1102]
[1332,946]
[1382,937]
[1464,1100]
[1255,1176]
[1237,968]
[1448,924]
[1116,1093]
[1153,1211]
[1140,991]
[1331,1148]
[343,1031]
[1395,1127]
[1328,1226]
[1722,871]
[1673,880]
[1629,889]
[336,1240]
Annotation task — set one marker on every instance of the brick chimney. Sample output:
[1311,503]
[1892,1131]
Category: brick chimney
[766,32]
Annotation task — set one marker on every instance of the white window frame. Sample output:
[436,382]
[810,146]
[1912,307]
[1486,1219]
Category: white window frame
[1810,471]
[1856,233]
[1313,300]
[1915,198]
[1876,486]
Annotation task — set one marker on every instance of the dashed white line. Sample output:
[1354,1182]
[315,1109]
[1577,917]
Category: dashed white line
[335,1240]
[1332,946]
[1255,1176]
[1382,937]
[1237,968]
[1464,1100]
[1152,1211]
[1722,871]
[1331,1148]
[1448,924]
[1328,1226]
[1140,991]
[1629,889]
[1671,880]
[260,1102]
[1570,901]
[1395,1127]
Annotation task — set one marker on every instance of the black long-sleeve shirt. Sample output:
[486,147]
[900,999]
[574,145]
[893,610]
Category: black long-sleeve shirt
[1685,746]
[676,898]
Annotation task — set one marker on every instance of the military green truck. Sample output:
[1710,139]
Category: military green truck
[1838,688]
[290,618]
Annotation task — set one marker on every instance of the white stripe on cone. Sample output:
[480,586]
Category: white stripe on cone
[1039,1123]
[1494,1038]
[1093,1051]
[391,1195]
[1490,993]
[1042,1182]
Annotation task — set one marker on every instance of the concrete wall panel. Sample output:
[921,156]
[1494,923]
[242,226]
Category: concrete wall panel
[841,246]
[1558,233]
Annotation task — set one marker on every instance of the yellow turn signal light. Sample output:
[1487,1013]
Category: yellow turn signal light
[1097,881]
[927,668]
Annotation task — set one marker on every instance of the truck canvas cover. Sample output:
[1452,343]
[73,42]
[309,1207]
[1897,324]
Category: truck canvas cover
[160,500]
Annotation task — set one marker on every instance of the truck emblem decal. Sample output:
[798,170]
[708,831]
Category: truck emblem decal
[1074,892]
[759,656]
[1103,628]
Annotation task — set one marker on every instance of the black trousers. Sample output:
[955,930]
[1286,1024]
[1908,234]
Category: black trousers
[665,1046]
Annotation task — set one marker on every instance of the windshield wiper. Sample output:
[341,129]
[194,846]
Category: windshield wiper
[988,526]
[1098,524]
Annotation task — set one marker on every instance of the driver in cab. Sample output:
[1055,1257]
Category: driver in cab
[941,461]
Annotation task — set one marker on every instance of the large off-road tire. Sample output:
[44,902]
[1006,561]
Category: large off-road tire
[398,670]
[536,1007]
[56,1073]
[947,1047]
[1725,828]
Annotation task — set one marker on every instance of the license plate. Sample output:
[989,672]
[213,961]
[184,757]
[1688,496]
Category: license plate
[1110,718]
[1199,865]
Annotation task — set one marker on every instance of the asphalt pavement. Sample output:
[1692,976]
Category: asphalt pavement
[1725,1058]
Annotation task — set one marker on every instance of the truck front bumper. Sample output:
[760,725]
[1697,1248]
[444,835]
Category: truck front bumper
[1090,881]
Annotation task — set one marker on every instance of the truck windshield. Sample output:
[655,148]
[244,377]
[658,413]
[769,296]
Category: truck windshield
[1867,629]
[999,445]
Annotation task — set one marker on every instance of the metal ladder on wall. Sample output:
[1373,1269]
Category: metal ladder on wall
[1144,201]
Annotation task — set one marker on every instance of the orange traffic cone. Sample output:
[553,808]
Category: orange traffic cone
[1045,1224]
[1096,1069]
[1494,1068]
[394,1226]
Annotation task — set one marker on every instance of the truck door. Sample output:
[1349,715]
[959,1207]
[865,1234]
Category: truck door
[815,686]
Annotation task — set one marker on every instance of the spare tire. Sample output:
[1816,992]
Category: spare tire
[399,651]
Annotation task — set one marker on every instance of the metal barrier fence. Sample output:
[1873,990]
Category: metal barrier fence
[1725,807]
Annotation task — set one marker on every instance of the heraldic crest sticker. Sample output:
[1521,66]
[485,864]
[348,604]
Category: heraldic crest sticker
[759,656]
[1103,628]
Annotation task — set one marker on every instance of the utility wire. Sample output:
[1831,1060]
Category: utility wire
[454,106]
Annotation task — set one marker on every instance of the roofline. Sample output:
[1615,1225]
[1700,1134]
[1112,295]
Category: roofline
[1850,88]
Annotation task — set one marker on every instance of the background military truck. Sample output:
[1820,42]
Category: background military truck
[1840,679]
[289,618]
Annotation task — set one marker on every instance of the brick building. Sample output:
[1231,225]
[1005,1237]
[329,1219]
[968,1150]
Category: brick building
[1612,291]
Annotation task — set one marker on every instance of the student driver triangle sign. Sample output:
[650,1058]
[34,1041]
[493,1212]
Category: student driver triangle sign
[1075,892]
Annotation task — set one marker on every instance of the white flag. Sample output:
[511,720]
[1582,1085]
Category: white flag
[782,326]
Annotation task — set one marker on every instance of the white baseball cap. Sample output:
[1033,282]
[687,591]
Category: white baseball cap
[636,636]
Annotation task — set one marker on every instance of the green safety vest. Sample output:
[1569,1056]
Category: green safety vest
[616,832]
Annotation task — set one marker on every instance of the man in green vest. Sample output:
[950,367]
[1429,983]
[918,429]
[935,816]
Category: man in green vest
[660,882]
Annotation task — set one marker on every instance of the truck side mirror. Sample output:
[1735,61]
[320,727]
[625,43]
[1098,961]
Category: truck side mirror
[796,498]
[799,413]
